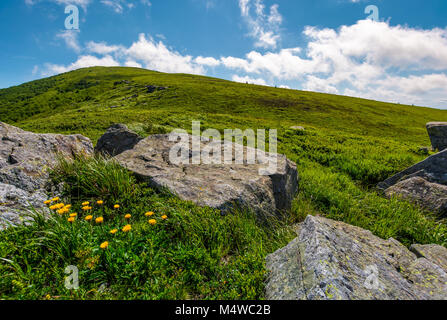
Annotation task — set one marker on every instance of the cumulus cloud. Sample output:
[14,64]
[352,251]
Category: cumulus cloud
[102,47]
[82,62]
[70,38]
[264,27]
[249,80]
[145,52]
[395,63]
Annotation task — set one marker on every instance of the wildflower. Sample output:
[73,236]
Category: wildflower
[55,199]
[88,218]
[100,202]
[86,203]
[104,245]
[153,222]
[48,297]
[164,217]
[47,202]
[99,220]
[116,206]
[71,219]
[127,228]
[68,206]
[149,214]
[54,207]
[86,208]
[62,211]
[73,215]
[128,216]
[113,231]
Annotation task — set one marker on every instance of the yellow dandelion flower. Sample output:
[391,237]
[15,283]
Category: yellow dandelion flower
[153,222]
[127,228]
[104,245]
[86,208]
[88,218]
[86,203]
[54,207]
[55,199]
[164,217]
[149,214]
[71,219]
[60,205]
[68,206]
[47,202]
[99,220]
[100,202]
[113,231]
[61,211]
[128,216]
[116,206]
[73,215]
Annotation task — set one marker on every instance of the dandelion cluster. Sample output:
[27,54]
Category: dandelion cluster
[91,209]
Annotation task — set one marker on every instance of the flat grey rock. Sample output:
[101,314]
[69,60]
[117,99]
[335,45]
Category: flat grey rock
[219,186]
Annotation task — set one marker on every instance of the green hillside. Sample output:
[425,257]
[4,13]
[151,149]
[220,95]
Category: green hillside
[349,145]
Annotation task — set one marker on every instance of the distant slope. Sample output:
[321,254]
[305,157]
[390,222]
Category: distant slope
[81,101]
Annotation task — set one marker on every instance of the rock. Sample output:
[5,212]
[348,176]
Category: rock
[432,196]
[24,160]
[424,183]
[334,261]
[438,134]
[299,128]
[152,89]
[433,169]
[432,252]
[218,186]
[116,140]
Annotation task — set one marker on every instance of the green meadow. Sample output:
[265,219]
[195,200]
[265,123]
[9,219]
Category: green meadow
[347,147]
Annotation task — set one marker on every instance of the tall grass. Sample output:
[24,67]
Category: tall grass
[195,253]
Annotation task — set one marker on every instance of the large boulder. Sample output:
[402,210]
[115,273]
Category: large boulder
[24,160]
[220,186]
[425,183]
[432,196]
[438,134]
[334,261]
[116,140]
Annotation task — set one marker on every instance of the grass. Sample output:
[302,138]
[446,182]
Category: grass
[349,145]
[195,253]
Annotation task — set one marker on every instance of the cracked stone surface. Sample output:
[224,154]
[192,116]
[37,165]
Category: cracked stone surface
[334,261]
[24,160]
[218,186]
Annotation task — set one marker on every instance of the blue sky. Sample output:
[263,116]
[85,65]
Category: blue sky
[321,45]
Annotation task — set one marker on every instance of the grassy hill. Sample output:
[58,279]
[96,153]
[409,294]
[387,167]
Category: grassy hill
[349,145]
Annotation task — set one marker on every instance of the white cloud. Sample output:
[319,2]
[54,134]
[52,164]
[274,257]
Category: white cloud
[157,56]
[82,62]
[264,28]
[249,80]
[102,48]
[208,61]
[71,39]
